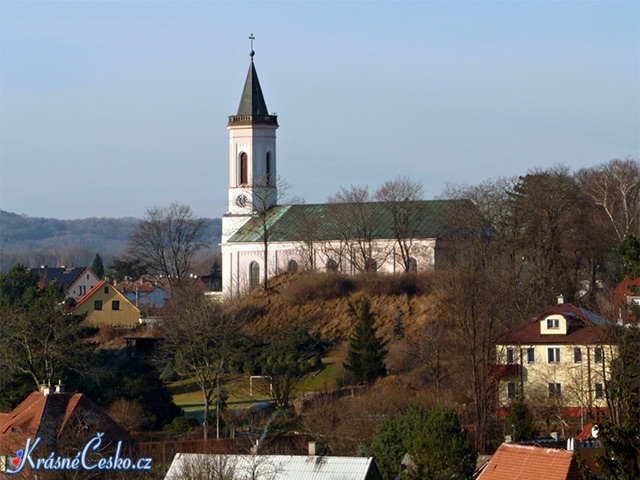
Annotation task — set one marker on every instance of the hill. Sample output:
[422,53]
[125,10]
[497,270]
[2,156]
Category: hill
[36,241]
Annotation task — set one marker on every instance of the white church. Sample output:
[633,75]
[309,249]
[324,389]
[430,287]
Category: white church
[261,239]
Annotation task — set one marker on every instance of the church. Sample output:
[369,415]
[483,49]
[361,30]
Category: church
[262,239]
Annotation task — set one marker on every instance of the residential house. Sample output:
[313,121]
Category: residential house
[143,293]
[528,462]
[272,467]
[559,358]
[64,422]
[75,281]
[626,301]
[105,305]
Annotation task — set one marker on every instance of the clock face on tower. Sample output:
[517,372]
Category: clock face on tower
[241,201]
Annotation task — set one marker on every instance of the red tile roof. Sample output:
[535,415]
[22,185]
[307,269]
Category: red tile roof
[584,328]
[46,416]
[89,293]
[525,462]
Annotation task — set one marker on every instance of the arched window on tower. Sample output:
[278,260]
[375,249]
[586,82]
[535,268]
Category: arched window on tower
[332,265]
[244,168]
[254,275]
[269,168]
[292,267]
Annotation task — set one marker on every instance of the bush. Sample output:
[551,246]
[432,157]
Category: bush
[374,284]
[317,287]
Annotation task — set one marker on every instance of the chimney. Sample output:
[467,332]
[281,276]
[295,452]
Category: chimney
[314,449]
[45,388]
[560,299]
[59,387]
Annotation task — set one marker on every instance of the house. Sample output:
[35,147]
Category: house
[272,467]
[560,358]
[63,422]
[528,462]
[626,301]
[75,281]
[325,237]
[143,293]
[105,305]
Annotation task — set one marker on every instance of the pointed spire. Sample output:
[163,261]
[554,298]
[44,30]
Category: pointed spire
[252,108]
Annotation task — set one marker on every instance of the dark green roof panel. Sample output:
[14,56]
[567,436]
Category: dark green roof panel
[252,102]
[321,222]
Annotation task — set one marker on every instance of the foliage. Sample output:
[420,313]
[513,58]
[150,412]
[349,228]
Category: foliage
[520,421]
[317,287]
[123,268]
[288,358]
[97,266]
[365,358]
[441,450]
[629,250]
[112,378]
[434,439]
[39,339]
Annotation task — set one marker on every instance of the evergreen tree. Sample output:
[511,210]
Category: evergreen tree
[97,266]
[520,420]
[398,329]
[366,355]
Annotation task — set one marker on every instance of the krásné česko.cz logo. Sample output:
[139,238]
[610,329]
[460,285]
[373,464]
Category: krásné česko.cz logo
[80,461]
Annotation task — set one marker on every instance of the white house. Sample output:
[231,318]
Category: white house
[346,237]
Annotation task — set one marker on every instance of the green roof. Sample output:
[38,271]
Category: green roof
[321,222]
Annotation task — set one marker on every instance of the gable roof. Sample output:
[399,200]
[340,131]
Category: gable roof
[290,223]
[583,328]
[46,416]
[281,467]
[97,288]
[526,462]
[64,276]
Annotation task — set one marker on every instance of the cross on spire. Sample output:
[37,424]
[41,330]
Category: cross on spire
[252,53]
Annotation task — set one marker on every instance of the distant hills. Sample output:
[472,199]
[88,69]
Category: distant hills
[39,241]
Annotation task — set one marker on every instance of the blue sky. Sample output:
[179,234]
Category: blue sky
[108,108]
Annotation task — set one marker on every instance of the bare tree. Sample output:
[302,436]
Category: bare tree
[264,193]
[199,340]
[167,239]
[614,187]
[354,220]
[399,197]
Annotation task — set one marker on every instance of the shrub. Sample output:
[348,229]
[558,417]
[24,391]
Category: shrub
[317,287]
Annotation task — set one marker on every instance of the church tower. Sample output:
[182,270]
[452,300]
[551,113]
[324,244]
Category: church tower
[252,156]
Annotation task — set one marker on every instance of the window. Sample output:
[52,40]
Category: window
[555,390]
[254,275]
[511,390]
[97,305]
[292,267]
[531,355]
[553,323]
[577,355]
[87,276]
[413,265]
[332,265]
[115,305]
[106,289]
[553,355]
[597,355]
[82,289]
[599,390]
[269,170]
[511,356]
[244,168]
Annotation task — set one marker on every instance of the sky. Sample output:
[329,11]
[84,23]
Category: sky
[108,108]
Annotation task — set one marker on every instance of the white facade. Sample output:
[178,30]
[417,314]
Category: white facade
[83,284]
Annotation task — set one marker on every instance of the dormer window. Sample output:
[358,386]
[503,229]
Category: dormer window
[553,323]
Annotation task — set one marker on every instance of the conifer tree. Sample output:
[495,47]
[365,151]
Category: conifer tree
[98,266]
[366,355]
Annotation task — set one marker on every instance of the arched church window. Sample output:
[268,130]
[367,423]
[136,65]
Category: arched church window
[413,265]
[269,167]
[244,168]
[371,265]
[292,267]
[332,265]
[254,275]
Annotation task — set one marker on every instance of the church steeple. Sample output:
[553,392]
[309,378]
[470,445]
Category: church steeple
[252,156]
